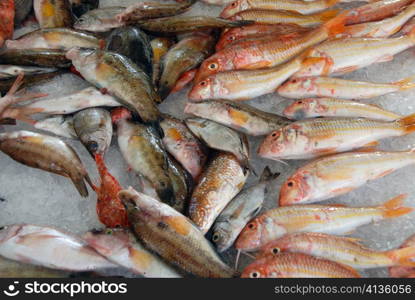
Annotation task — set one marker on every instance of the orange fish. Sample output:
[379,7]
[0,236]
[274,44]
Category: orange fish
[6,20]
[400,271]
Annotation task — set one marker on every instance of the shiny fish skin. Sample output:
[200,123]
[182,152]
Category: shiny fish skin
[220,137]
[297,265]
[54,38]
[100,19]
[240,211]
[344,250]
[317,137]
[121,247]
[11,71]
[331,107]
[121,78]
[47,153]
[178,24]
[335,175]
[144,153]
[53,13]
[187,54]
[60,125]
[301,6]
[340,88]
[241,117]
[49,247]
[279,221]
[94,129]
[160,46]
[39,57]
[172,236]
[183,145]
[222,180]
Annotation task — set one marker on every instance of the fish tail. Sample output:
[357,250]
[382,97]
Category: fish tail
[80,185]
[327,15]
[393,208]
[336,25]
[407,124]
[268,175]
[406,83]
[403,257]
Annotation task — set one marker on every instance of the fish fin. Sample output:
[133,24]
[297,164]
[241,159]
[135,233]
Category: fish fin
[310,61]
[346,69]
[411,34]
[403,257]
[407,83]
[327,15]
[80,186]
[393,208]
[268,175]
[258,65]
[21,113]
[331,2]
[370,145]
[407,123]
[385,58]
[336,25]
[352,270]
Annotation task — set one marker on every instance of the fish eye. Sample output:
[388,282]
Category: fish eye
[274,134]
[203,83]
[215,237]
[233,4]
[290,184]
[294,80]
[213,66]
[254,274]
[2,227]
[300,102]
[231,38]
[275,250]
[251,226]
[108,231]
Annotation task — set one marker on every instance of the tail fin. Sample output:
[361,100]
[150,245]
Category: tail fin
[268,175]
[336,25]
[403,257]
[327,15]
[407,83]
[80,185]
[407,124]
[21,113]
[393,208]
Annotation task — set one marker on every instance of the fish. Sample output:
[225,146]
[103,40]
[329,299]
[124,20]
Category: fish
[182,184]
[93,127]
[217,2]
[159,46]
[233,35]
[7,13]
[110,210]
[376,11]
[332,107]
[22,10]
[14,269]
[71,103]
[408,27]
[241,85]
[152,10]
[122,248]
[345,250]
[297,265]
[186,78]
[49,247]
[80,7]
[382,28]
[267,52]
[300,6]
[54,38]
[241,117]
[246,205]
[172,236]
[219,137]
[330,219]
[178,24]
[11,71]
[100,20]
[143,150]
[49,58]
[322,136]
[53,13]
[121,78]
[133,44]
[47,153]
[183,145]
[147,188]
[187,54]
[345,55]
[222,180]
[340,88]
[264,16]
[401,271]
[59,125]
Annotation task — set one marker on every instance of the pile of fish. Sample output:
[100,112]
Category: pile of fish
[193,203]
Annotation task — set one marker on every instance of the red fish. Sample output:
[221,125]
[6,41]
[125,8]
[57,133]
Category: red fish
[6,20]
[111,212]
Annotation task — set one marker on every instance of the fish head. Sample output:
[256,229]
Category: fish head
[204,89]
[257,269]
[83,58]
[295,190]
[88,22]
[297,87]
[216,63]
[301,109]
[228,37]
[120,113]
[222,236]
[107,241]
[234,7]
[275,247]
[9,232]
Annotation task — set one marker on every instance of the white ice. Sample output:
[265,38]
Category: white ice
[38,197]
